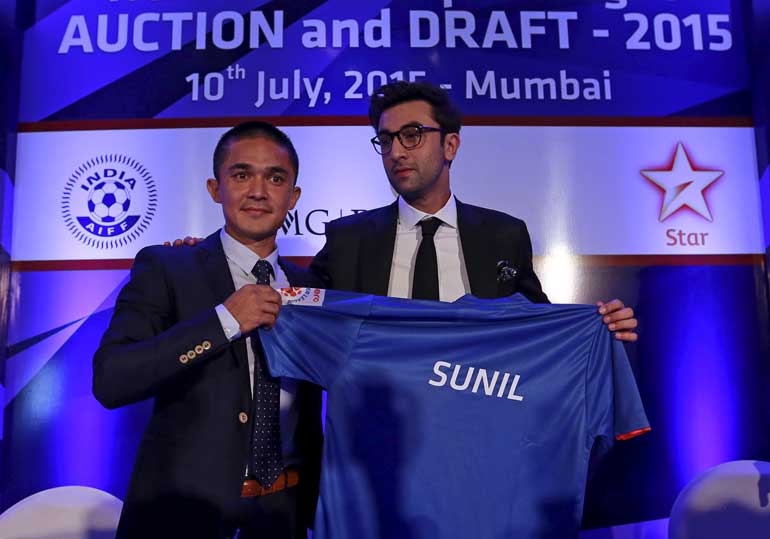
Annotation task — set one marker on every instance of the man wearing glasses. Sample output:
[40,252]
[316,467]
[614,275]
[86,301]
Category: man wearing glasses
[427,244]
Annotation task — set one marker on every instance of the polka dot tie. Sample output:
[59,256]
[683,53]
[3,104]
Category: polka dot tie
[266,460]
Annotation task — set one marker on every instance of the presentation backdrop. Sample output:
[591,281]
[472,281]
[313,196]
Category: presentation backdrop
[620,131]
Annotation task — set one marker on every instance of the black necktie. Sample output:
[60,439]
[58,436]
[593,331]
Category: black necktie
[425,281]
[266,460]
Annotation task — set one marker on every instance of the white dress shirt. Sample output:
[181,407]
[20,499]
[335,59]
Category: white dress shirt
[241,260]
[452,274]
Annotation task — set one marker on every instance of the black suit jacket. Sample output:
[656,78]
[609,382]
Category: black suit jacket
[358,252]
[190,464]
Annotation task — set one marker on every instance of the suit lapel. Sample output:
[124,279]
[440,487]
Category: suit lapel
[377,245]
[480,259]
[296,275]
[218,275]
[215,267]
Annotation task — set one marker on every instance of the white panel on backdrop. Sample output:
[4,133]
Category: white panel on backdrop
[339,173]
[581,189]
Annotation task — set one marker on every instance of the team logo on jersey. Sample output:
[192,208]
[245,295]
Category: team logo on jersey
[302,296]
[683,185]
[109,201]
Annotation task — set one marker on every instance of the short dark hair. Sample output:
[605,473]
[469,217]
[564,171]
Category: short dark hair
[444,112]
[254,129]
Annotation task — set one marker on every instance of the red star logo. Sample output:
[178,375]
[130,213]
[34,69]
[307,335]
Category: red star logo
[683,185]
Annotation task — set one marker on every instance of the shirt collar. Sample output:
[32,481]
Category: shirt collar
[409,216]
[242,256]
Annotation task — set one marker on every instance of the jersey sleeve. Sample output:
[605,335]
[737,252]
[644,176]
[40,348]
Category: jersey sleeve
[614,407]
[310,343]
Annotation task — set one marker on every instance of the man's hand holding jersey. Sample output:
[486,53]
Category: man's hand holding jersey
[254,306]
[619,319]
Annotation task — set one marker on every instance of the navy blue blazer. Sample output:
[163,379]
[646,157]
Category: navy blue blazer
[165,342]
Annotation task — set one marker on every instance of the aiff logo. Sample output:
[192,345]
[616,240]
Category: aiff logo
[109,201]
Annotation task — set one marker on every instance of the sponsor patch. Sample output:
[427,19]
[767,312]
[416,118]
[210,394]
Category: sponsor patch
[302,296]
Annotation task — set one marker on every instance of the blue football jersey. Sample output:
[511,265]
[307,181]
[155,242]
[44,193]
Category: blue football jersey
[472,419]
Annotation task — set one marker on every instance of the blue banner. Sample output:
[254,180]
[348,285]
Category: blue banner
[183,59]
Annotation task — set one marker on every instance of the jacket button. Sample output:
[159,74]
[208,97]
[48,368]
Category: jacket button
[191,354]
[199,349]
[243,417]
[206,345]
[183,358]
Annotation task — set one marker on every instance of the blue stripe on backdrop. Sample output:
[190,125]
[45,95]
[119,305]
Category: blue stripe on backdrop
[41,8]
[43,300]
[83,444]
[711,360]
[128,96]
[35,339]
[764,190]
[702,373]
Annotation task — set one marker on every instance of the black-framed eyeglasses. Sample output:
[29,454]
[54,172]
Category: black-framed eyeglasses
[409,136]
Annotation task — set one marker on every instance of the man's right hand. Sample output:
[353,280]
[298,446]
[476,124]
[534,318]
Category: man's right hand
[188,240]
[253,306]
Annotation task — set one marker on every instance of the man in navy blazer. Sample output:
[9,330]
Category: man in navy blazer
[478,250]
[181,334]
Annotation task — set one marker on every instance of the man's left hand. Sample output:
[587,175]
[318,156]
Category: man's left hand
[619,319]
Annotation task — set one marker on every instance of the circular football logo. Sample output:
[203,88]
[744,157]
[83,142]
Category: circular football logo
[109,201]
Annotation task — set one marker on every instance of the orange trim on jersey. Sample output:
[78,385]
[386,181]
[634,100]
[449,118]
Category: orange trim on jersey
[632,434]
